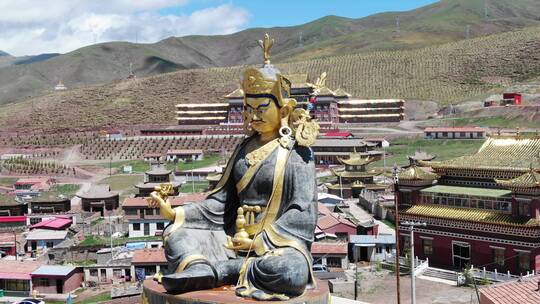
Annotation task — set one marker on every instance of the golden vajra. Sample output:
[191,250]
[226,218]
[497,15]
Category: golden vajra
[266,45]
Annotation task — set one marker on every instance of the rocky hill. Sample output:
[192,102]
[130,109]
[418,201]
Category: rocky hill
[442,22]
[447,73]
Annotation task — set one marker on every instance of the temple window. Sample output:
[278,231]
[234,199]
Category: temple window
[523,261]
[498,256]
[427,246]
[524,209]
[136,226]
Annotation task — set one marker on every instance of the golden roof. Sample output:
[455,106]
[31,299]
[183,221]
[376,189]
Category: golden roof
[351,174]
[355,159]
[507,153]
[340,93]
[238,93]
[416,173]
[324,91]
[530,179]
[468,214]
[297,78]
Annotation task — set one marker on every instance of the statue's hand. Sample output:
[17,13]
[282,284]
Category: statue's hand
[156,201]
[238,243]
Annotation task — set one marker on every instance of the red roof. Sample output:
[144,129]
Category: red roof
[55,223]
[329,248]
[337,134]
[323,209]
[19,270]
[327,221]
[455,129]
[524,292]
[12,219]
[33,180]
[149,256]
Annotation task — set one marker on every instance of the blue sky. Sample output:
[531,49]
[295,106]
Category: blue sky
[294,12]
[30,27]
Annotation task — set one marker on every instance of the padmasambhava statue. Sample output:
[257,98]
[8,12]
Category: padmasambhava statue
[255,229]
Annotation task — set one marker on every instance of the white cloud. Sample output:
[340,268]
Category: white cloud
[30,27]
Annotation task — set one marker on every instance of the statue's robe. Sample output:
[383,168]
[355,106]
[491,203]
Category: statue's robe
[283,265]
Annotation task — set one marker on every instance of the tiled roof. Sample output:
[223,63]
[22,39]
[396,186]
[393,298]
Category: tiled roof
[421,155]
[327,221]
[158,170]
[355,159]
[97,192]
[372,239]
[416,173]
[238,93]
[530,179]
[347,174]
[507,153]
[468,214]
[329,248]
[20,270]
[187,198]
[323,209]
[469,191]
[524,292]
[149,256]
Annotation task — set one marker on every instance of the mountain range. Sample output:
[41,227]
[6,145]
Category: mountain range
[442,22]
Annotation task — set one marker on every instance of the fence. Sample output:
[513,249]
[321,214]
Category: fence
[495,276]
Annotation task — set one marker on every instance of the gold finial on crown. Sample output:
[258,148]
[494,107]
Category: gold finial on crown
[266,45]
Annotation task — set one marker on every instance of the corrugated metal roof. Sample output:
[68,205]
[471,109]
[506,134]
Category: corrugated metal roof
[372,239]
[53,270]
[41,234]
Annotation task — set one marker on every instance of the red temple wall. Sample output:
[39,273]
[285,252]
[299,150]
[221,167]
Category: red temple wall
[481,253]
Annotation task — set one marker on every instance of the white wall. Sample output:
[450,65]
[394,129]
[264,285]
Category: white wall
[140,232]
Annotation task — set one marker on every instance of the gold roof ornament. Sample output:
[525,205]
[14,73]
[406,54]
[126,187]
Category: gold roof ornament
[355,159]
[416,173]
[266,45]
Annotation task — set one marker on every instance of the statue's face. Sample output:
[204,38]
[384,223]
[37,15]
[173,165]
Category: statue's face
[263,114]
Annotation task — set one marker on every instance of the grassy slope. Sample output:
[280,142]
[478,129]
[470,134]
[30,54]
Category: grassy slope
[445,73]
[441,22]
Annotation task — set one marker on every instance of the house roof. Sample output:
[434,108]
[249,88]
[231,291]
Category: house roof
[530,179]
[238,93]
[324,195]
[54,223]
[455,129]
[337,142]
[149,256]
[469,214]
[141,202]
[331,220]
[8,201]
[337,134]
[158,170]
[524,291]
[42,234]
[369,101]
[329,248]
[184,151]
[13,219]
[32,180]
[97,192]
[18,270]
[355,159]
[53,270]
[372,239]
[187,198]
[509,153]
[421,155]
[323,209]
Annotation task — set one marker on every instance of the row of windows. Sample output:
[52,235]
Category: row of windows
[137,226]
[497,204]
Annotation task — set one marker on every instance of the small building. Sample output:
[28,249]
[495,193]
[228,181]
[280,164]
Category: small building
[16,277]
[34,183]
[356,177]
[337,225]
[419,156]
[13,221]
[42,239]
[109,270]
[524,290]
[147,262]
[55,223]
[455,133]
[99,198]
[56,279]
[7,243]
[60,86]
[328,150]
[152,157]
[50,202]
[157,175]
[512,99]
[11,205]
[330,254]
[145,221]
[371,247]
[184,155]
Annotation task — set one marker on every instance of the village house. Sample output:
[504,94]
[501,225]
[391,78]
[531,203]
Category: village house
[56,279]
[147,262]
[99,198]
[16,277]
[455,133]
[39,240]
[331,254]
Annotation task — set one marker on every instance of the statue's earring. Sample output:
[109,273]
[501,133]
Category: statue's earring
[285,131]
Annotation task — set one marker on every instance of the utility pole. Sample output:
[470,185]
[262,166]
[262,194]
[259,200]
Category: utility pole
[413,287]
[396,210]
[467,31]
[110,231]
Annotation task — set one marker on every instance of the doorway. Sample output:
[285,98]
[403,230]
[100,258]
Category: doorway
[59,286]
[461,253]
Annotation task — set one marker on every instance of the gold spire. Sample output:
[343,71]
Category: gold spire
[266,45]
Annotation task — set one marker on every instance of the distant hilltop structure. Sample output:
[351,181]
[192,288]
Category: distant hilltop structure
[60,86]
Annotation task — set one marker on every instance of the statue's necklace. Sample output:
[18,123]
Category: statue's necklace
[256,156]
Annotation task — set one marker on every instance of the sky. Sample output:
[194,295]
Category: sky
[31,27]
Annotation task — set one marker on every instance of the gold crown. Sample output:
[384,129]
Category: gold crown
[255,83]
